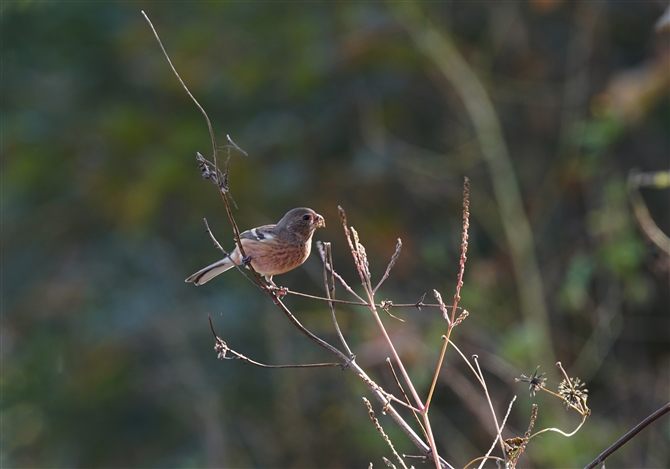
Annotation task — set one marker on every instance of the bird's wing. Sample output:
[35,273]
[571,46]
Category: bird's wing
[262,233]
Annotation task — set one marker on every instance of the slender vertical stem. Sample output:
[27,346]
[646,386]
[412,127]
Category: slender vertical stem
[488,399]
[438,368]
[459,284]
[398,361]
[330,293]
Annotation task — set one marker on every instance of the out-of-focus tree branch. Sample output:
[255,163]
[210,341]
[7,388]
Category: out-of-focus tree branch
[441,50]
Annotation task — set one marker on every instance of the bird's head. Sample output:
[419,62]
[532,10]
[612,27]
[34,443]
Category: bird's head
[301,221]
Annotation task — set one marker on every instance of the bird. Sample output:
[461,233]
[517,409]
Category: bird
[270,249]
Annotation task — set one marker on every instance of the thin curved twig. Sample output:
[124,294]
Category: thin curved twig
[202,110]
[222,189]
[488,399]
[223,350]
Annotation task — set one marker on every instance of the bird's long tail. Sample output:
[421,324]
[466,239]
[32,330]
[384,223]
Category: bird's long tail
[211,271]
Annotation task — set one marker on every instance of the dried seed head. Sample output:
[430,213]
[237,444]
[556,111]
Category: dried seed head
[535,381]
[572,392]
[460,318]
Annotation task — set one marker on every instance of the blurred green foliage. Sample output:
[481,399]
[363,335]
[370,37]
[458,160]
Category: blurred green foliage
[107,356]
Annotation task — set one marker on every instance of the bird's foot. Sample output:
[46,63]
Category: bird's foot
[280,291]
[246,260]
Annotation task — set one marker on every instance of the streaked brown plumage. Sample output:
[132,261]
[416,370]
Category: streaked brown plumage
[271,249]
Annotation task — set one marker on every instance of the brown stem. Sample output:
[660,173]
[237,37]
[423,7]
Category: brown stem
[404,394]
[209,124]
[222,348]
[457,296]
[628,436]
[330,292]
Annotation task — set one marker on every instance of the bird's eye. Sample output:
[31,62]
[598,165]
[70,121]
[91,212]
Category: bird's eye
[306,217]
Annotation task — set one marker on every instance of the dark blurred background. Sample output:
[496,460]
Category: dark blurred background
[383,108]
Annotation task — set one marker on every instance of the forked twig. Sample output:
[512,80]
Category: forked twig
[487,456]
[319,246]
[404,394]
[223,350]
[361,261]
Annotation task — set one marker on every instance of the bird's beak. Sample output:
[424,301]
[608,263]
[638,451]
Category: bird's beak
[320,222]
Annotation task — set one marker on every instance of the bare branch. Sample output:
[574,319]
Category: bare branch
[383,305]
[499,435]
[202,110]
[319,246]
[223,350]
[223,189]
[628,436]
[329,300]
[488,399]
[404,394]
[330,292]
[360,258]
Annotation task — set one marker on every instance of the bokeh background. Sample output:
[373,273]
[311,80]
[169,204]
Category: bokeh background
[383,108]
